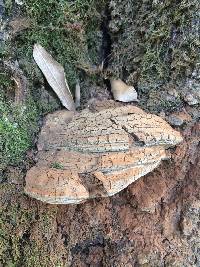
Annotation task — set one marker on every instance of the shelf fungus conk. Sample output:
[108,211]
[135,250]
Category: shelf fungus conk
[123,92]
[96,153]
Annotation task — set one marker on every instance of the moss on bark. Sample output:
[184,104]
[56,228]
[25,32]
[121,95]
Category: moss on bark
[155,43]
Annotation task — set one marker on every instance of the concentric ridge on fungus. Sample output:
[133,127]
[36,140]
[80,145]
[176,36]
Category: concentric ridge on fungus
[96,154]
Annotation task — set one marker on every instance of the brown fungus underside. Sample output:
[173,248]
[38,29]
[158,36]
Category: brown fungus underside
[96,153]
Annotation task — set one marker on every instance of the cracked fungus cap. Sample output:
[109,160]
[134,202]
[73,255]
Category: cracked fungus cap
[96,153]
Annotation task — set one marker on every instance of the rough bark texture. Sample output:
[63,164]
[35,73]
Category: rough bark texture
[154,222]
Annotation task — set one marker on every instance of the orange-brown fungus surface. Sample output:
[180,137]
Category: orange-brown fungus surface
[96,153]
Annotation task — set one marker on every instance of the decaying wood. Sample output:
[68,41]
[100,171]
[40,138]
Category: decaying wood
[20,81]
[96,154]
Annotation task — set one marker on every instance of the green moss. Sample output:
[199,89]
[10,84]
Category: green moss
[13,221]
[5,80]
[70,32]
[158,40]
[8,6]
[66,29]
[57,165]
[159,101]
[17,127]
[25,231]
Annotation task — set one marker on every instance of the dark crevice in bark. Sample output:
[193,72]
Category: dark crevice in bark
[106,41]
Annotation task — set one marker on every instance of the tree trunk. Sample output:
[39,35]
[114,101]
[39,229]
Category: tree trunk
[152,45]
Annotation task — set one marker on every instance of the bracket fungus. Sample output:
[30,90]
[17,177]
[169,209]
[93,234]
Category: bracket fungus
[122,91]
[96,153]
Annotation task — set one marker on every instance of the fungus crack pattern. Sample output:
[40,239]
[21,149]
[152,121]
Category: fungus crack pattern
[96,153]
